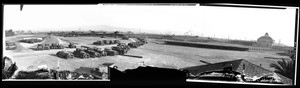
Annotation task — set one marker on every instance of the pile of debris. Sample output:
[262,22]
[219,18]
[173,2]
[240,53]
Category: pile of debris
[51,73]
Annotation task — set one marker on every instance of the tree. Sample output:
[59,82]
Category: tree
[9,33]
[285,68]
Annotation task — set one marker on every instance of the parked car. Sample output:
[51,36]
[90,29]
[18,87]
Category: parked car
[99,50]
[72,45]
[80,53]
[65,54]
[92,53]
[111,52]
[10,45]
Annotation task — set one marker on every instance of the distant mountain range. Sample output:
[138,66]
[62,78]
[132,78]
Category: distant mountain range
[108,28]
[103,28]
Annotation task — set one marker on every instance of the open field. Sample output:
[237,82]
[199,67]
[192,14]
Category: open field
[154,53]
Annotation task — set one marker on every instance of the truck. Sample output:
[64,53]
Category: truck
[110,52]
[98,43]
[56,46]
[80,53]
[143,40]
[31,40]
[40,47]
[105,42]
[123,45]
[92,53]
[103,70]
[46,47]
[121,50]
[10,45]
[117,41]
[110,42]
[72,45]
[99,50]
[125,38]
[132,45]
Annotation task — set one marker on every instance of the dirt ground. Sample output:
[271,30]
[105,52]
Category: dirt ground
[154,53]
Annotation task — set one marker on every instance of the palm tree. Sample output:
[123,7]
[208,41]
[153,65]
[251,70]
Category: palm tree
[8,68]
[285,68]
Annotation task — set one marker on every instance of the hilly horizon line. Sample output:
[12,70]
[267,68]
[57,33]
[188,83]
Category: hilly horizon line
[108,28]
[85,28]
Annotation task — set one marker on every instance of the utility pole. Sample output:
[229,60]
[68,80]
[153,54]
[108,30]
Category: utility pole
[57,69]
[228,38]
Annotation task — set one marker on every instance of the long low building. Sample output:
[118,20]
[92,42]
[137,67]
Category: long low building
[88,33]
[206,45]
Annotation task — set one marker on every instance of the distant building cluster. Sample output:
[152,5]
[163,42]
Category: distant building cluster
[9,33]
[88,33]
[20,32]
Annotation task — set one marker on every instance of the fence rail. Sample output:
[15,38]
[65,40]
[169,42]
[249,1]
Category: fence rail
[266,49]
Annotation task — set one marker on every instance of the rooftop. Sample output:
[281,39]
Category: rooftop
[265,37]
[241,65]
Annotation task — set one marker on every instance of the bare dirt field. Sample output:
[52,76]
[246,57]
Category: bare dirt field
[193,55]
[154,53]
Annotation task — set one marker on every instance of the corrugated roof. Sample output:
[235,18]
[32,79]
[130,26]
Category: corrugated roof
[250,69]
[241,65]
[213,67]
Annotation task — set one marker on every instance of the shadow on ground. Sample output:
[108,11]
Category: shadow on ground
[53,55]
[33,49]
[276,58]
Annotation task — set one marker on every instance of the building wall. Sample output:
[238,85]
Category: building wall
[264,42]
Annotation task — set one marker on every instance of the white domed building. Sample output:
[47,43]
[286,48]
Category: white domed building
[265,40]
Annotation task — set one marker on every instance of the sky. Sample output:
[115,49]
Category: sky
[219,22]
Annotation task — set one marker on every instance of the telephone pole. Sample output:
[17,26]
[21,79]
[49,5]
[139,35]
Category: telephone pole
[228,38]
[139,31]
